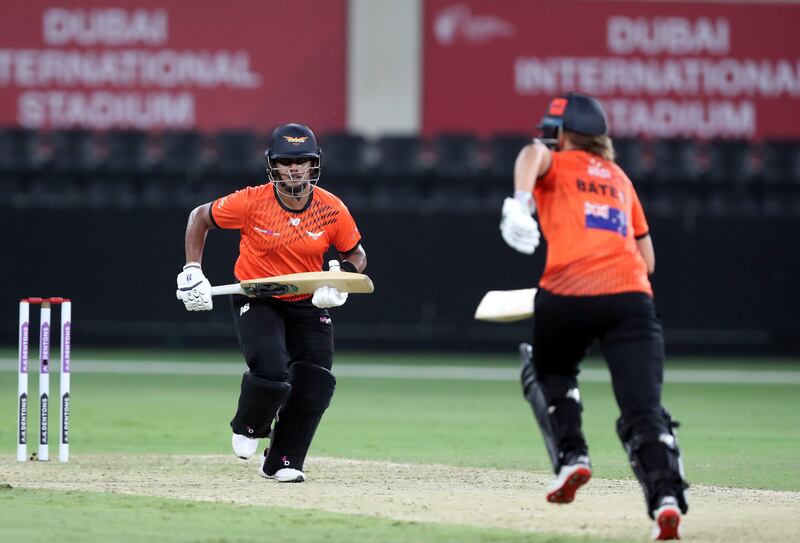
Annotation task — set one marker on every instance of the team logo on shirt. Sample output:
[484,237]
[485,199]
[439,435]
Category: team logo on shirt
[596,169]
[315,235]
[294,221]
[297,140]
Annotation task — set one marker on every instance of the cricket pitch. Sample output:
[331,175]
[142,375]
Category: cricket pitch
[487,498]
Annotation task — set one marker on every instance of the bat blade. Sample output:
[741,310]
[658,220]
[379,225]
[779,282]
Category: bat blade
[307,283]
[506,305]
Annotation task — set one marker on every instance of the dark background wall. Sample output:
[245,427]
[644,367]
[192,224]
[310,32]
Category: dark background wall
[724,284]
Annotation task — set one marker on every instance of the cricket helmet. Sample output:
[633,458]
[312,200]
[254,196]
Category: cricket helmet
[293,140]
[573,112]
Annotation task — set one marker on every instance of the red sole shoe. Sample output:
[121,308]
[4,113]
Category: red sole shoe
[564,487]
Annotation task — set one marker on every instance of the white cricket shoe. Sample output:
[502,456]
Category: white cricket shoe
[284,475]
[668,520]
[244,447]
[570,478]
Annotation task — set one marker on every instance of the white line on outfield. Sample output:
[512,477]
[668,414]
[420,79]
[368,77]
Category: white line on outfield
[386,371]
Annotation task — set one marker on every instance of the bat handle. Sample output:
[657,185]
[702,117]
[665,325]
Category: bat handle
[222,290]
[333,265]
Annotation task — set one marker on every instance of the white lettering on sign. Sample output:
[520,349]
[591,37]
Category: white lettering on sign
[102,109]
[104,26]
[667,35]
[686,118]
[726,77]
[126,67]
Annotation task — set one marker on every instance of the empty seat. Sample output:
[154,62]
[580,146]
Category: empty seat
[676,160]
[21,150]
[180,152]
[400,156]
[343,154]
[780,161]
[74,151]
[632,157]
[457,155]
[503,151]
[729,161]
[127,151]
[237,153]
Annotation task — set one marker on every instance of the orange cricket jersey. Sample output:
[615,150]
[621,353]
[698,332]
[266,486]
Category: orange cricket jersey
[276,240]
[591,217]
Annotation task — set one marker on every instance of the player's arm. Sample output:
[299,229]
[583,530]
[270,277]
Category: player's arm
[532,162]
[197,228]
[194,290]
[354,260]
[517,226]
[645,245]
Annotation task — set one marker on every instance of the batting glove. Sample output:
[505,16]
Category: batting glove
[194,290]
[328,296]
[518,228]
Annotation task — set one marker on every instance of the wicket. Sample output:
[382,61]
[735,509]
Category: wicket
[44,377]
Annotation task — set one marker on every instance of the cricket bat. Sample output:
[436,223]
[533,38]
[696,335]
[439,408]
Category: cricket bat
[506,305]
[298,283]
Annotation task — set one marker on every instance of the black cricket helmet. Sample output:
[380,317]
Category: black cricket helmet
[293,141]
[573,112]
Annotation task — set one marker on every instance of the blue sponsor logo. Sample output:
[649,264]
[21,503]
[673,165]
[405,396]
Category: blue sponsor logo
[605,217]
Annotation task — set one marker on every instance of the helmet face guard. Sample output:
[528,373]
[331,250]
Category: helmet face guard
[296,144]
[294,185]
[552,128]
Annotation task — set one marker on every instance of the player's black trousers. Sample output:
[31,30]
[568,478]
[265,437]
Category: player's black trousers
[630,336]
[288,347]
[273,334]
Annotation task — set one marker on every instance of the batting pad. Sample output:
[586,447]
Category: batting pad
[506,305]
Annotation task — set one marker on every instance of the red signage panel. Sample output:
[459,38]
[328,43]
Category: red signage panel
[150,64]
[661,69]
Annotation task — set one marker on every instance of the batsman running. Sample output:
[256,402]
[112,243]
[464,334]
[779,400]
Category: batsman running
[595,286]
[286,226]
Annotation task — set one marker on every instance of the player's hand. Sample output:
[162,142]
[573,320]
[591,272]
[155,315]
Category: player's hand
[518,227]
[194,290]
[328,296]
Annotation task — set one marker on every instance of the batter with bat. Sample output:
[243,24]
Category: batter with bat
[286,226]
[595,286]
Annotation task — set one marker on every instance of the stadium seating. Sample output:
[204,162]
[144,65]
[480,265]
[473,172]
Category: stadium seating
[457,172]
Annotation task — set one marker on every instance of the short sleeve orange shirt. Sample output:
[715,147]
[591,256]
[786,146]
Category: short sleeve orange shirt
[276,240]
[591,217]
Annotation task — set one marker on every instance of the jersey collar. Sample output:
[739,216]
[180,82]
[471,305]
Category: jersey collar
[289,209]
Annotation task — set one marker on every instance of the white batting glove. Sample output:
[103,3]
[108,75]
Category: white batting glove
[194,290]
[328,296]
[518,227]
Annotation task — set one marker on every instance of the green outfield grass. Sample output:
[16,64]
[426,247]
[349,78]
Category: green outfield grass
[37,516]
[740,435]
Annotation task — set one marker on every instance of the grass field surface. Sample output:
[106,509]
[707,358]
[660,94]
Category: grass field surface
[734,435]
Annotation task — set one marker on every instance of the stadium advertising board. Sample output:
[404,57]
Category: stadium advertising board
[672,69]
[146,64]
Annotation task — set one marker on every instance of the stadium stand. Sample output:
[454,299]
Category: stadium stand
[454,171]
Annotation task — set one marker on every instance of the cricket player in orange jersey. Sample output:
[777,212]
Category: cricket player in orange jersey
[595,286]
[286,226]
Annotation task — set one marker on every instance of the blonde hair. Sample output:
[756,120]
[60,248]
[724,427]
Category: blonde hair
[598,145]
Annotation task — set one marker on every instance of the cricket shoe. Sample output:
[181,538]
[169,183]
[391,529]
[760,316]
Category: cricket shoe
[283,475]
[569,479]
[244,447]
[668,520]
